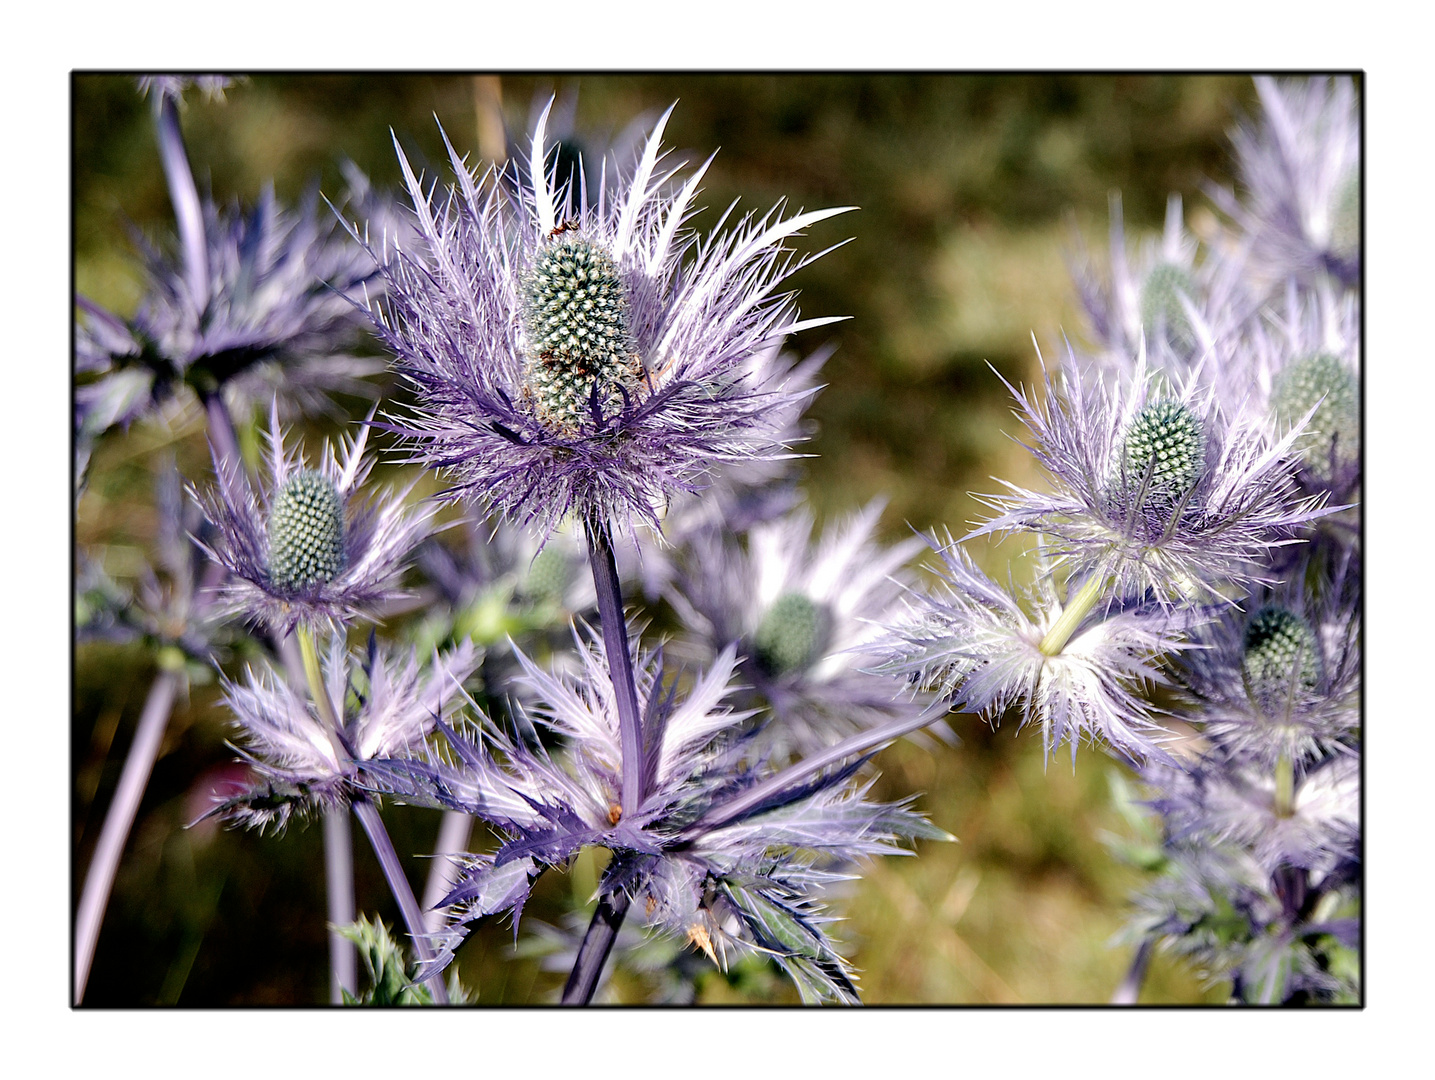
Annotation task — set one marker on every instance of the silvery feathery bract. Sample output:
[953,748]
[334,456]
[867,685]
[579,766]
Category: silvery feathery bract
[981,648]
[720,852]
[802,615]
[386,705]
[1299,164]
[1155,485]
[586,357]
[306,547]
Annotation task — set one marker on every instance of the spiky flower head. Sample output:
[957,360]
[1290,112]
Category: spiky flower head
[1165,292]
[1280,679]
[1280,653]
[1226,799]
[987,650]
[802,612]
[1300,364]
[386,704]
[1164,450]
[1155,484]
[721,854]
[578,326]
[271,308]
[587,356]
[306,532]
[1299,163]
[1158,296]
[306,546]
[1321,382]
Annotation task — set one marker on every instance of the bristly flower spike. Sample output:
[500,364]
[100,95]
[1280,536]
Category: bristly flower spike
[306,547]
[1156,489]
[587,357]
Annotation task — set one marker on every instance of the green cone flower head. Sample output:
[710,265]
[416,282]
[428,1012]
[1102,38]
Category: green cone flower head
[1166,440]
[1345,218]
[1280,647]
[790,635]
[1323,382]
[306,532]
[1161,303]
[304,546]
[578,326]
[548,576]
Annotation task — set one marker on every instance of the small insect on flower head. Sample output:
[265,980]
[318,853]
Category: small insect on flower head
[305,547]
[586,356]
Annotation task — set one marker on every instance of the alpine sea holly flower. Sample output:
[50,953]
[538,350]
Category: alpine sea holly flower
[986,651]
[802,616]
[742,880]
[248,303]
[1161,296]
[1300,167]
[1305,359]
[1305,817]
[1279,681]
[386,706]
[306,547]
[587,359]
[1157,488]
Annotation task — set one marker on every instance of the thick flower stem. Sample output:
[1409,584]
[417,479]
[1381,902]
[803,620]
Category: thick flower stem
[101,876]
[1285,786]
[620,664]
[597,944]
[1077,608]
[368,815]
[338,844]
[453,833]
[1130,989]
[188,211]
[221,430]
[788,779]
[339,888]
[315,679]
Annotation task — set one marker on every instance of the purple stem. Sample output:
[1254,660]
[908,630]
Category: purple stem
[620,665]
[1130,988]
[453,834]
[809,766]
[597,944]
[338,845]
[368,815]
[612,906]
[339,885]
[121,816]
[221,431]
[188,210]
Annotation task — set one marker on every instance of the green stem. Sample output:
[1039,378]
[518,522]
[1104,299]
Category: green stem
[1285,786]
[317,691]
[1076,609]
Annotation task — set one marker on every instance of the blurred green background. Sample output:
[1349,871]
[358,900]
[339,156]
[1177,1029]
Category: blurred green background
[972,190]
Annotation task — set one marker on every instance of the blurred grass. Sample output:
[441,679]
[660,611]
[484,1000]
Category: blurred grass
[969,189]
